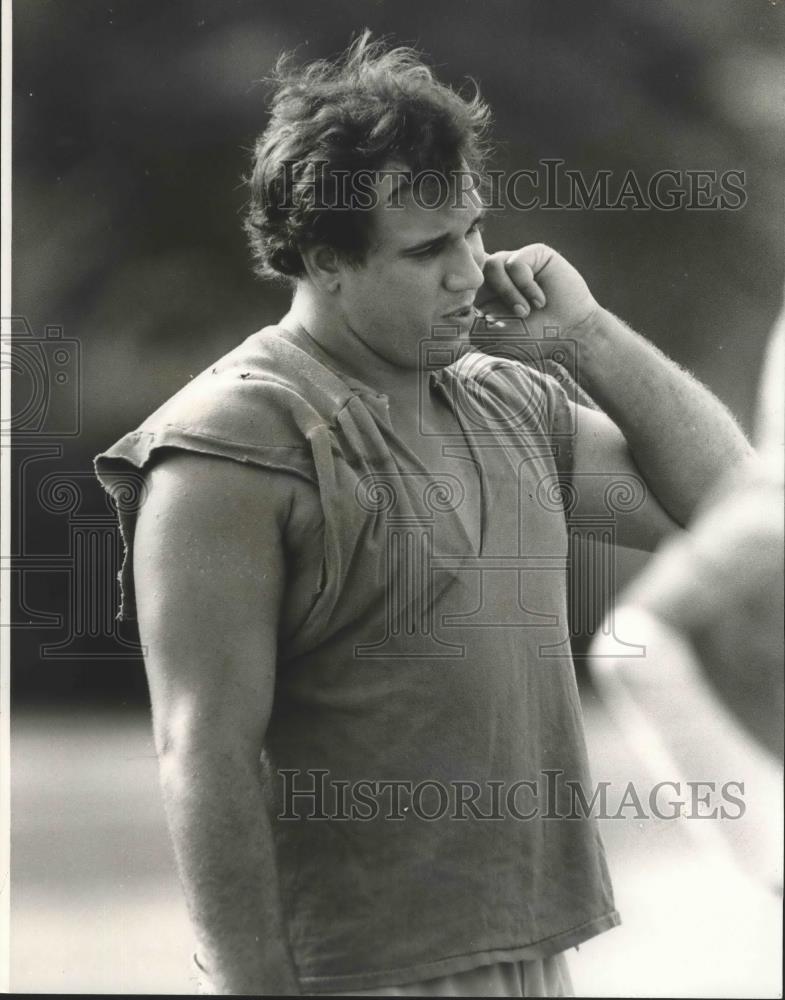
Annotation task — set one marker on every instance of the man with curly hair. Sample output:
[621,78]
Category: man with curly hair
[348,570]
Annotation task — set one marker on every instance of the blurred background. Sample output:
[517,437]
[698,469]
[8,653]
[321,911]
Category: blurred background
[132,124]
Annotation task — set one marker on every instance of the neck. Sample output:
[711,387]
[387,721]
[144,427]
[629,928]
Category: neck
[347,351]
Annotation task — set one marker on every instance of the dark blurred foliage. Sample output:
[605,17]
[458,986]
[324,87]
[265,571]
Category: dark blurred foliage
[132,124]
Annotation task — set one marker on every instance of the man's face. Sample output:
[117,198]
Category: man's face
[423,264]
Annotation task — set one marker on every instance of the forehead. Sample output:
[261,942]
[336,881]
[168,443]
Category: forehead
[422,206]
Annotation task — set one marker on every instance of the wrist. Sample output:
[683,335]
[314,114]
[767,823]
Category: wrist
[594,340]
[592,327]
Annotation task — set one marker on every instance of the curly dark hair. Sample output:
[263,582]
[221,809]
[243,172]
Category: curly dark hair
[369,108]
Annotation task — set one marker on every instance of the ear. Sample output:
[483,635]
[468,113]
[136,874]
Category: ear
[322,267]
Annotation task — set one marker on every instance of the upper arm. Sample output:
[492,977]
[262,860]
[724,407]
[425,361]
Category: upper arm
[606,482]
[209,578]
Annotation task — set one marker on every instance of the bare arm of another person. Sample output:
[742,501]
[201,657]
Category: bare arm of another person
[720,587]
[209,572]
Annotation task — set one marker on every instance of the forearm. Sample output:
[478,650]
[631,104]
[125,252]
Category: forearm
[680,435]
[225,855]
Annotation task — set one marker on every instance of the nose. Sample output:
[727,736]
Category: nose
[465,271]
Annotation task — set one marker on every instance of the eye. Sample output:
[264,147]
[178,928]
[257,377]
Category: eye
[430,251]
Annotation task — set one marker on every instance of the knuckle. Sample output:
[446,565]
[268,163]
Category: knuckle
[520,272]
[518,260]
[526,273]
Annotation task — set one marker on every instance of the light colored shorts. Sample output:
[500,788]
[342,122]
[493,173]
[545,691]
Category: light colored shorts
[546,977]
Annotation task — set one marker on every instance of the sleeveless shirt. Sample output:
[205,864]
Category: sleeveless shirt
[426,737]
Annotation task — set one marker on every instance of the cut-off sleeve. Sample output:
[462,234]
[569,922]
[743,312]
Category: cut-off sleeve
[237,409]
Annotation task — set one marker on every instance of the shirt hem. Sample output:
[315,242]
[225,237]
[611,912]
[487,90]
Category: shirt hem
[462,963]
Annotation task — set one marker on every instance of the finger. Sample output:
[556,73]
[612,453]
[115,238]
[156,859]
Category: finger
[521,274]
[499,281]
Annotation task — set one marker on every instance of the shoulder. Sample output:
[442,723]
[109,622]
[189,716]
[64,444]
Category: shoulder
[209,481]
[206,501]
[266,390]
[213,500]
[259,404]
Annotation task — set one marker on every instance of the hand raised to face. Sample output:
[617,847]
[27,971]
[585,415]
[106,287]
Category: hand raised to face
[539,287]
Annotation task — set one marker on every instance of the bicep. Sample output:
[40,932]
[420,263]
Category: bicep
[209,577]
[607,484]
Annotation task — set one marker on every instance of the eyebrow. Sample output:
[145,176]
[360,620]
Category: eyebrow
[438,241]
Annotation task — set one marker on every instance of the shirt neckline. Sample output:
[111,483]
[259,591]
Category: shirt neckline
[307,343]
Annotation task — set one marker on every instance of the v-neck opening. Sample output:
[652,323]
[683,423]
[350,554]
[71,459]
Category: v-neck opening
[482,479]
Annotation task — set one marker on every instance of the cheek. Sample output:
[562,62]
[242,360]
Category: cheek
[401,292]
[422,283]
